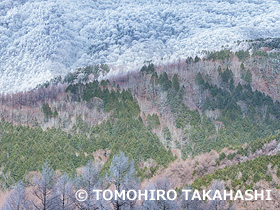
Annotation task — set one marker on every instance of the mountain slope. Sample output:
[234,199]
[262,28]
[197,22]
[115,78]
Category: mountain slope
[43,39]
[194,121]
[190,107]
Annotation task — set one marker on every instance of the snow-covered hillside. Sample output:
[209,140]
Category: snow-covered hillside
[41,39]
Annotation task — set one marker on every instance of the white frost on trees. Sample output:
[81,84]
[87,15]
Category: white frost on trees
[17,199]
[122,177]
[42,39]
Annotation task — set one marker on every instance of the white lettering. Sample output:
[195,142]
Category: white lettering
[110,193]
[196,195]
[268,195]
[174,194]
[120,195]
[186,194]
[230,195]
[128,194]
[238,195]
[249,195]
[145,194]
[161,193]
[218,195]
[152,195]
[261,194]
[206,195]
[97,194]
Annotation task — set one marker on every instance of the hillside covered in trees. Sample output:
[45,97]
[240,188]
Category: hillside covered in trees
[77,128]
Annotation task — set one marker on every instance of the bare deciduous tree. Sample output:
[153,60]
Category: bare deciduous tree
[44,188]
[122,177]
[150,204]
[189,204]
[17,199]
[165,185]
[90,180]
[64,193]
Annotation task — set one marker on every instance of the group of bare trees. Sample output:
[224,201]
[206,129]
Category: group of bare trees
[50,191]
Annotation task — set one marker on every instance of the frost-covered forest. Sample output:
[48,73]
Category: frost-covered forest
[42,39]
